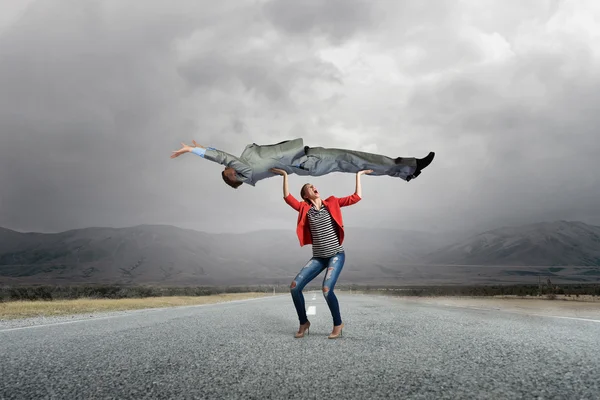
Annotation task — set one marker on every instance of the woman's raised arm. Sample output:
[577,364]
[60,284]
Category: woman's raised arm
[358,190]
[357,195]
[286,188]
[287,197]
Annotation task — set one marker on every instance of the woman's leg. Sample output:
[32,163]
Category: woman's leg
[334,268]
[306,274]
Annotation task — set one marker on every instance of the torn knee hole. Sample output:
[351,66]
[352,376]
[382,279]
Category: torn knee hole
[325,289]
[293,285]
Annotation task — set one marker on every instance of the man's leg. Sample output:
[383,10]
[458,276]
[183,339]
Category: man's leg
[322,161]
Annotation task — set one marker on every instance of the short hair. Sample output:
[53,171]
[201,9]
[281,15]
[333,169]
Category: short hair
[234,185]
[303,190]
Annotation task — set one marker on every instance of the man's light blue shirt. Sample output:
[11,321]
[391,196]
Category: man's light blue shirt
[201,151]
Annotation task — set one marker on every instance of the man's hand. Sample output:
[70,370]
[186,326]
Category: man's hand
[185,149]
[364,171]
[278,171]
[197,145]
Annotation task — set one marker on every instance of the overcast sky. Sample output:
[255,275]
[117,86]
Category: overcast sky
[94,96]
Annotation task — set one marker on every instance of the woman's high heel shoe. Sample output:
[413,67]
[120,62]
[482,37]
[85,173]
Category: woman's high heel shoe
[335,336]
[303,328]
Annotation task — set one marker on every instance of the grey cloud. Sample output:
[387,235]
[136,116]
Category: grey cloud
[257,72]
[96,95]
[338,20]
[238,125]
[540,141]
[94,100]
[507,20]
[80,114]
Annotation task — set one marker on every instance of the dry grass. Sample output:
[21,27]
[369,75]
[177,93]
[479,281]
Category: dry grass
[580,298]
[26,309]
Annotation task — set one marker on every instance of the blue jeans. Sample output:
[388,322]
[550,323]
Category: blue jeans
[310,271]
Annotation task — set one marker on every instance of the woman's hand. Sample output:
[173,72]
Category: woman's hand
[286,189]
[358,190]
[278,171]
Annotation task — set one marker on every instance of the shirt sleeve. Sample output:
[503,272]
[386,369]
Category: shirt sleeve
[199,151]
[349,200]
[291,200]
[243,170]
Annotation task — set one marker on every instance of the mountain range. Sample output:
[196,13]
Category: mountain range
[559,243]
[167,255]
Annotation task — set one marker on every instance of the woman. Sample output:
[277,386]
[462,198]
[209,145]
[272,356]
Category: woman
[320,224]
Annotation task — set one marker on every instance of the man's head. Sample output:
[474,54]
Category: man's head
[230,177]
[309,192]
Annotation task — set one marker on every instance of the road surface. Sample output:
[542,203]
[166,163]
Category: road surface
[390,349]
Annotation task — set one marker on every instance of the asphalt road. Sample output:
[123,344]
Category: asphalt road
[390,349]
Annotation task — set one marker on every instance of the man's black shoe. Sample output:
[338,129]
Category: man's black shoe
[421,163]
[424,162]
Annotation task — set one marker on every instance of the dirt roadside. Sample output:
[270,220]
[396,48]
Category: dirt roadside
[584,308]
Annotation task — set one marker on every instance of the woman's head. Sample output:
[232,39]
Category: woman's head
[309,192]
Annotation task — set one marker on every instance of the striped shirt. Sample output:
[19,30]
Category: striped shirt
[324,233]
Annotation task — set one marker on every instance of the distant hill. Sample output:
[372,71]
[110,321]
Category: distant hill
[162,254]
[560,243]
[167,255]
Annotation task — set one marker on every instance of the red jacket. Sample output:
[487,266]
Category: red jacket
[332,203]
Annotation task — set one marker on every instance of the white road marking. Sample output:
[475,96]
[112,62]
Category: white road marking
[580,319]
[312,310]
[517,312]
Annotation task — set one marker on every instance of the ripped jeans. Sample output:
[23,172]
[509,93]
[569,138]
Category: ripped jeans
[310,271]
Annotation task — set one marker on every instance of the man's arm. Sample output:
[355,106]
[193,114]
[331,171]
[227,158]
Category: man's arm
[226,159]
[212,154]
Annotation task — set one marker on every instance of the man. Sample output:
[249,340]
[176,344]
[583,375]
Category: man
[292,156]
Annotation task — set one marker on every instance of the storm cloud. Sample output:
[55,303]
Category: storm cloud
[95,95]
